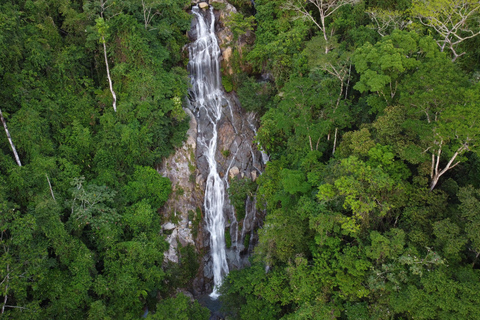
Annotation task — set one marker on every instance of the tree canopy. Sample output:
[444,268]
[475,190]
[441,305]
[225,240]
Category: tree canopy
[80,229]
[371,189]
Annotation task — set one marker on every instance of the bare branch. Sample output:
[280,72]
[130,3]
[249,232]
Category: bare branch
[449,19]
[50,185]
[6,289]
[147,15]
[386,19]
[114,96]
[335,141]
[325,9]
[17,158]
[449,165]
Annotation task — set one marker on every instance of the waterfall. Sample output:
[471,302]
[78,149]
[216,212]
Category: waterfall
[207,99]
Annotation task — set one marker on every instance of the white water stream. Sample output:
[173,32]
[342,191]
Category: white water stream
[207,96]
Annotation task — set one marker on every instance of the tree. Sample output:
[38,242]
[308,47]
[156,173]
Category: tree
[443,112]
[453,20]
[180,308]
[102,28]
[386,20]
[239,24]
[470,213]
[325,8]
[338,64]
[10,139]
[383,65]
[148,15]
[369,189]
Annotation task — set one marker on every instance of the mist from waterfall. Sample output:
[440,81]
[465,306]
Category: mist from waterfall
[206,98]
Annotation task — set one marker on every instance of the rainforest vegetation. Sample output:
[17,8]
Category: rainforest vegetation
[369,111]
[370,115]
[91,93]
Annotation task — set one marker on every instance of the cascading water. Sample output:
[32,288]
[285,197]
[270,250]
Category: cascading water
[207,98]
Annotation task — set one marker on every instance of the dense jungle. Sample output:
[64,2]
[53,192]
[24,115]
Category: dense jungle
[369,111]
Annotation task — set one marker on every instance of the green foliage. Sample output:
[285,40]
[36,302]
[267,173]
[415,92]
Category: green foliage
[469,208]
[242,5]
[238,299]
[228,238]
[225,153]
[352,229]
[255,96]
[179,308]
[149,185]
[444,17]
[366,191]
[239,24]
[278,40]
[382,65]
[218,5]
[181,274]
[227,84]
[196,218]
[238,192]
[246,241]
[79,220]
[440,298]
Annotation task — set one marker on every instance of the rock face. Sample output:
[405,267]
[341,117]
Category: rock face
[236,157]
[225,35]
[186,196]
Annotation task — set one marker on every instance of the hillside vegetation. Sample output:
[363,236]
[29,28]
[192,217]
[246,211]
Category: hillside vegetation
[370,114]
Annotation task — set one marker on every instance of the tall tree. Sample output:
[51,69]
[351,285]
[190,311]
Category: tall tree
[107,6]
[386,20]
[324,8]
[102,31]
[17,158]
[453,20]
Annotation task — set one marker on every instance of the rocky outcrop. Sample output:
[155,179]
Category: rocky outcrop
[225,35]
[236,157]
[186,196]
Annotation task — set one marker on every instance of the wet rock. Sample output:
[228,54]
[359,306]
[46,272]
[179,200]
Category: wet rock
[198,285]
[208,270]
[226,134]
[233,259]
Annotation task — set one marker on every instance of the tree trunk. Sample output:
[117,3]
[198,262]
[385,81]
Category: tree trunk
[436,172]
[108,76]
[51,190]
[335,142]
[10,139]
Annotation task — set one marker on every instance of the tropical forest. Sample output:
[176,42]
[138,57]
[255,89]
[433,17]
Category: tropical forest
[240,159]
